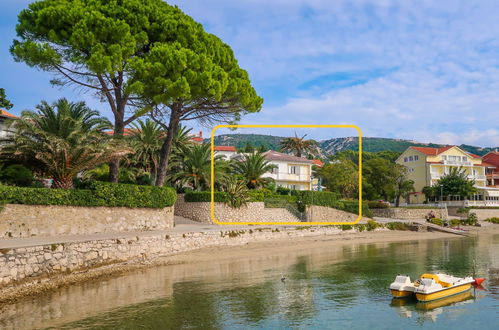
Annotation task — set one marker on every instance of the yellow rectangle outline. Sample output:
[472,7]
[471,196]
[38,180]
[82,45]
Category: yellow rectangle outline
[212,189]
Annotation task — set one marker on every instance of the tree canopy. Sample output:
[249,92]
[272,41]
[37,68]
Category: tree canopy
[4,102]
[136,55]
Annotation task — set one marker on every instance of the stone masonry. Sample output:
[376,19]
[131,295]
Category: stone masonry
[18,220]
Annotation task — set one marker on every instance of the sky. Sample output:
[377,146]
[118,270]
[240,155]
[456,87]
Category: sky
[419,70]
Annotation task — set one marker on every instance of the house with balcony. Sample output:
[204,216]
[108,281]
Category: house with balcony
[290,172]
[5,117]
[427,165]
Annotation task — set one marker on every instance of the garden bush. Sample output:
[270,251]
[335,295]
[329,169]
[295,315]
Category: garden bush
[436,221]
[397,226]
[97,194]
[494,220]
[371,225]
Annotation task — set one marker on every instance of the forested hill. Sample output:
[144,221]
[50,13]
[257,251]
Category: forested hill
[332,146]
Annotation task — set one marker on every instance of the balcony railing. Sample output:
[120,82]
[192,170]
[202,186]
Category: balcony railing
[457,162]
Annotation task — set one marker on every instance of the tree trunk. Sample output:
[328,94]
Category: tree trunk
[62,183]
[114,166]
[397,201]
[166,148]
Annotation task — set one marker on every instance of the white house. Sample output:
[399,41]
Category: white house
[291,172]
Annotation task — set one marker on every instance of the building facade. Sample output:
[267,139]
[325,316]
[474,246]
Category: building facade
[290,172]
[5,117]
[427,165]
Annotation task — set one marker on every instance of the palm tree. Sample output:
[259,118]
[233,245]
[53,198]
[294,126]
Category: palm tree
[146,141]
[193,168]
[299,146]
[62,140]
[252,168]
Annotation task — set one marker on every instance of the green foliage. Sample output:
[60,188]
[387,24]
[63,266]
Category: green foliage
[372,225]
[360,227]
[4,102]
[454,222]
[455,183]
[472,219]
[99,194]
[436,221]
[62,140]
[397,226]
[299,146]
[251,168]
[237,193]
[341,176]
[283,190]
[494,220]
[17,175]
[279,201]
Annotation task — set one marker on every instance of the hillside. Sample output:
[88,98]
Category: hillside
[332,146]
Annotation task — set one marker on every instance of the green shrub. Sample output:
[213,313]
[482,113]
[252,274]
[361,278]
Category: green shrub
[397,226]
[16,175]
[377,205]
[454,222]
[360,227]
[346,227]
[494,220]
[205,196]
[371,225]
[436,221]
[282,191]
[279,201]
[98,194]
[471,220]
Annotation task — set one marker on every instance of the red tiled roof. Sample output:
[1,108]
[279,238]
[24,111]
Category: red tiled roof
[197,139]
[126,132]
[318,162]
[473,155]
[225,148]
[492,158]
[432,151]
[5,113]
[279,156]
[488,164]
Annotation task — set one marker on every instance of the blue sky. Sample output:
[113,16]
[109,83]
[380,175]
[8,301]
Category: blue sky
[422,70]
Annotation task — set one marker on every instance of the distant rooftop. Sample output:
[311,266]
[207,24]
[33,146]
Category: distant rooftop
[5,113]
[279,156]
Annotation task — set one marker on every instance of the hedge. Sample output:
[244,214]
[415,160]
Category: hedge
[98,194]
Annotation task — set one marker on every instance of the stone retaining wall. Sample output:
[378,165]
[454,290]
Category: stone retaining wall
[328,214]
[253,212]
[408,213]
[18,220]
[483,214]
[31,263]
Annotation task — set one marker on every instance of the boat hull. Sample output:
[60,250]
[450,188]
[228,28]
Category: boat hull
[401,294]
[444,293]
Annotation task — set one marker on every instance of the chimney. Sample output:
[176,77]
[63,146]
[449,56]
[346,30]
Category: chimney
[200,134]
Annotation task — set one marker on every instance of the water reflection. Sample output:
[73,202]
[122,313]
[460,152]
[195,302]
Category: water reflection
[429,311]
[345,285]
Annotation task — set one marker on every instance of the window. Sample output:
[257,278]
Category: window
[444,157]
[405,160]
[416,157]
[465,159]
[274,170]
[293,170]
[410,158]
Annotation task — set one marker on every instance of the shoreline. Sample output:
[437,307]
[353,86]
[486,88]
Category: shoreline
[215,253]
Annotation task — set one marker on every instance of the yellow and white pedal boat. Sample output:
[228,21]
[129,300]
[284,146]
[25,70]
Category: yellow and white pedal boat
[430,286]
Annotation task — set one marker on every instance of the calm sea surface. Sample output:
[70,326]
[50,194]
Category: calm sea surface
[329,288]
